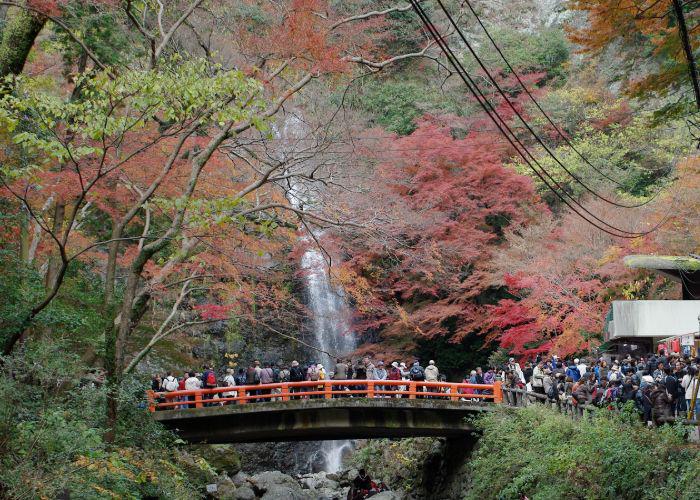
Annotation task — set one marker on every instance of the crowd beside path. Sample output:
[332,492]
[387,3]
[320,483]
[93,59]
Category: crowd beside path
[259,374]
[659,385]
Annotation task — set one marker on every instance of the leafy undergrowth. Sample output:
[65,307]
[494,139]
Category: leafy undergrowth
[52,427]
[399,463]
[542,454]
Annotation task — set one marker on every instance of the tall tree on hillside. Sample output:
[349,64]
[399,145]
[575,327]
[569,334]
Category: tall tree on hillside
[648,34]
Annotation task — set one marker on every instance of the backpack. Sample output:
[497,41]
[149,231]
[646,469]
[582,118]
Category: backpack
[275,375]
[252,377]
[416,373]
[171,384]
[394,374]
[313,373]
[211,379]
[553,393]
[295,374]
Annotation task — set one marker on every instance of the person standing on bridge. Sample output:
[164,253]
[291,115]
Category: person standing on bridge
[340,372]
[380,373]
[266,377]
[229,381]
[296,374]
[394,375]
[431,375]
[192,384]
[252,377]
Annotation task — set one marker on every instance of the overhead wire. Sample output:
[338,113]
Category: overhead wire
[524,121]
[524,152]
[559,132]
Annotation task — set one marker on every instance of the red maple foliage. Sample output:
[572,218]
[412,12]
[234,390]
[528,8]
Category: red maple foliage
[448,200]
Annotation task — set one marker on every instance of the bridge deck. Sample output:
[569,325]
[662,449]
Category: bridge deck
[321,419]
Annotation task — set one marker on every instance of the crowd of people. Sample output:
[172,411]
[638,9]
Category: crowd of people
[660,385]
[262,374]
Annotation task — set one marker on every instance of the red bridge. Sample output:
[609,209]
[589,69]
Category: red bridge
[327,409]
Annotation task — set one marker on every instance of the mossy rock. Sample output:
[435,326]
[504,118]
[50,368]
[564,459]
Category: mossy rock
[222,457]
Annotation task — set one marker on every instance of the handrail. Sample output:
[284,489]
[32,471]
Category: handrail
[567,408]
[322,389]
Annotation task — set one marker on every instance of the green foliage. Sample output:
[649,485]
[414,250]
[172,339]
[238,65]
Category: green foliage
[398,463]
[395,105]
[623,144]
[528,52]
[52,423]
[104,31]
[181,93]
[20,288]
[543,454]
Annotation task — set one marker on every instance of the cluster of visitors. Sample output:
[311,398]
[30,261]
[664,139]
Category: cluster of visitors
[660,385]
[262,374]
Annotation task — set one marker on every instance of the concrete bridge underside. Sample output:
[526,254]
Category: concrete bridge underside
[322,419]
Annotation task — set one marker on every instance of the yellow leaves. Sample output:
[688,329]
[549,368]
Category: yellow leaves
[612,254]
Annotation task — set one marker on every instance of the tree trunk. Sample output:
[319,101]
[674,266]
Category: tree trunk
[111,270]
[18,37]
[58,216]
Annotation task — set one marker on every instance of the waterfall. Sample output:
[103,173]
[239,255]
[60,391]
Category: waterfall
[330,314]
[332,331]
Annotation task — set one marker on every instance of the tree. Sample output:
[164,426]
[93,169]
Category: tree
[644,33]
[447,202]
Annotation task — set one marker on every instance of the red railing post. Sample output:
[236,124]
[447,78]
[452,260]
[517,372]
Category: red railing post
[151,400]
[412,390]
[198,399]
[370,389]
[327,389]
[454,392]
[497,392]
[243,394]
[285,392]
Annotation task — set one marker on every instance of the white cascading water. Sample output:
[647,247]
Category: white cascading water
[330,314]
[332,330]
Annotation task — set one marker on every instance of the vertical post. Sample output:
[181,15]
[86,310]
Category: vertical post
[454,393]
[151,400]
[370,389]
[497,392]
[198,399]
[243,394]
[285,392]
[412,390]
[327,389]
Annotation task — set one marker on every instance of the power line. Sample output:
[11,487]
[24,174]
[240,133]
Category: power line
[532,97]
[503,126]
[524,122]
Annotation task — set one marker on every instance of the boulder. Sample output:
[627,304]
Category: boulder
[386,495]
[284,492]
[241,478]
[225,489]
[244,493]
[265,480]
[317,481]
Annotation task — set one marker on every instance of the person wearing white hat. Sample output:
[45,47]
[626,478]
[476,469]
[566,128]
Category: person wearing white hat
[431,372]
[394,375]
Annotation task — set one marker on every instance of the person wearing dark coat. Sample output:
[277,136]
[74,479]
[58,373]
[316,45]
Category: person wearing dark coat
[661,404]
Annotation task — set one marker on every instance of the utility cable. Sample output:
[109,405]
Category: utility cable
[523,120]
[502,127]
[559,132]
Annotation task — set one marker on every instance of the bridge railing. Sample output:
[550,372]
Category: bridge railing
[324,389]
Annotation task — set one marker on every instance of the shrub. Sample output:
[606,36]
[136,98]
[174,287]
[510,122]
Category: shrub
[543,454]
